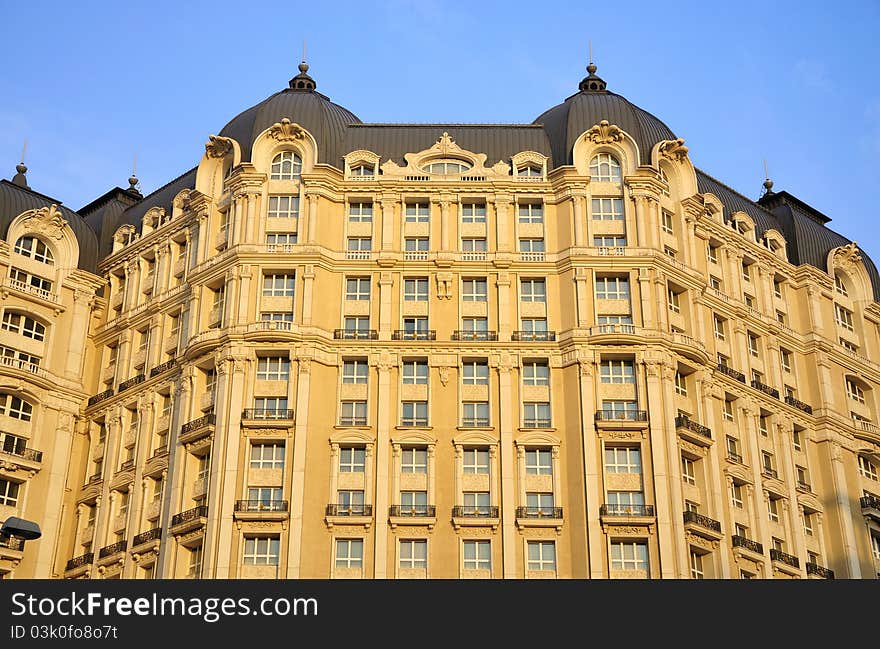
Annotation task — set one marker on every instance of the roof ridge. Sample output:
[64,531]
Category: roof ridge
[156,191]
[40,194]
[731,189]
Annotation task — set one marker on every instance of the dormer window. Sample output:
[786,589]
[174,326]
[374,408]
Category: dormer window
[363,170]
[35,249]
[446,167]
[287,165]
[604,168]
[529,171]
[839,286]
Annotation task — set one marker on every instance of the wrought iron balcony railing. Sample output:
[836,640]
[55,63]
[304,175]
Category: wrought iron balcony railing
[26,453]
[621,415]
[869,502]
[539,512]
[163,367]
[736,457]
[748,544]
[403,334]
[267,413]
[412,510]
[261,506]
[800,405]
[98,398]
[144,537]
[190,515]
[125,385]
[12,542]
[475,511]
[804,486]
[788,559]
[195,424]
[685,422]
[113,548]
[769,472]
[766,389]
[461,334]
[341,509]
[355,334]
[626,510]
[81,560]
[732,373]
[533,336]
[702,521]
[819,571]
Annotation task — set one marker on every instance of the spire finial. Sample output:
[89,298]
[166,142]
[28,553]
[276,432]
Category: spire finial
[19,178]
[303,81]
[592,83]
[768,184]
[133,179]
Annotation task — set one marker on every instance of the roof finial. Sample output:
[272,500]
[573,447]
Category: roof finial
[592,83]
[303,81]
[133,179]
[19,178]
[768,184]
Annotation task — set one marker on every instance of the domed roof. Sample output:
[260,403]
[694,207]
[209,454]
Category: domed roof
[577,114]
[301,104]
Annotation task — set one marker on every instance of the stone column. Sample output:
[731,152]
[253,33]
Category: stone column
[313,218]
[757,495]
[250,218]
[388,204]
[245,273]
[507,421]
[844,512]
[585,316]
[577,208]
[793,511]
[504,325]
[383,465]
[502,223]
[649,321]
[662,301]
[386,282]
[707,409]
[444,224]
[308,297]
[673,467]
[592,467]
[734,264]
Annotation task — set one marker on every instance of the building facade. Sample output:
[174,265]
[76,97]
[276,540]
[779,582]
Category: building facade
[347,350]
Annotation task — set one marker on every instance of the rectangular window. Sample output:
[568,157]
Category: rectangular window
[785,358]
[854,391]
[609,241]
[712,253]
[415,326]
[536,373]
[617,371]
[357,288]
[541,555]
[867,468]
[279,285]
[681,387]
[414,502]
[353,413]
[477,555]
[414,553]
[848,345]
[727,414]
[534,325]
[415,372]
[746,272]
[473,212]
[414,413]
[733,449]
[539,461]
[273,368]
[666,222]
[688,471]
[773,509]
[474,245]
[533,290]
[697,566]
[531,213]
[474,289]
[359,324]
[607,209]
[416,245]
[843,317]
[839,286]
[718,323]
[531,246]
[623,459]
[352,459]
[355,370]
[714,282]
[413,460]
[359,244]
[267,455]
[9,492]
[350,501]
[417,213]
[753,344]
[349,553]
[283,207]
[270,408]
[536,415]
[195,562]
[612,288]
[40,283]
[674,300]
[736,495]
[809,524]
[802,476]
[625,502]
[415,289]
[797,440]
[475,414]
[276,316]
[361,212]
[475,372]
[539,503]
[629,555]
[777,288]
[475,461]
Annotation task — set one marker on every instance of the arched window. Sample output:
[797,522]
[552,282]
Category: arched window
[840,285]
[15,407]
[604,168]
[34,248]
[286,166]
[665,180]
[446,167]
[23,325]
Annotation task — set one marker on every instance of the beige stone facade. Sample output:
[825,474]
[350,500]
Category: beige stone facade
[449,368]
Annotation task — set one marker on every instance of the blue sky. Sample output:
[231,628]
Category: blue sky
[92,84]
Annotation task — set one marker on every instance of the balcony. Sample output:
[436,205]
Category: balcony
[626,511]
[146,537]
[769,472]
[355,334]
[814,569]
[533,336]
[747,544]
[112,549]
[191,519]
[402,334]
[267,414]
[806,487]
[98,398]
[539,517]
[125,385]
[163,367]
[703,526]
[412,515]
[261,510]
[24,287]
[32,457]
[800,405]
[531,256]
[484,336]
[870,506]
[79,562]
[475,511]
[358,254]
[867,430]
[732,373]
[415,255]
[31,368]
[692,431]
[766,389]
[348,514]
[621,419]
[197,429]
[125,466]
[782,557]
[179,266]
[12,546]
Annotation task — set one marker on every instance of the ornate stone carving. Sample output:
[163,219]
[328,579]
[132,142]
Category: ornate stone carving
[444,375]
[444,285]
[586,368]
[674,149]
[286,131]
[217,146]
[847,257]
[47,221]
[625,530]
[604,133]
[305,365]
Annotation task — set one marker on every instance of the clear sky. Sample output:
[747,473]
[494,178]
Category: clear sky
[91,84]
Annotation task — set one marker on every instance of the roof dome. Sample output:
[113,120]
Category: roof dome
[593,103]
[301,104]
